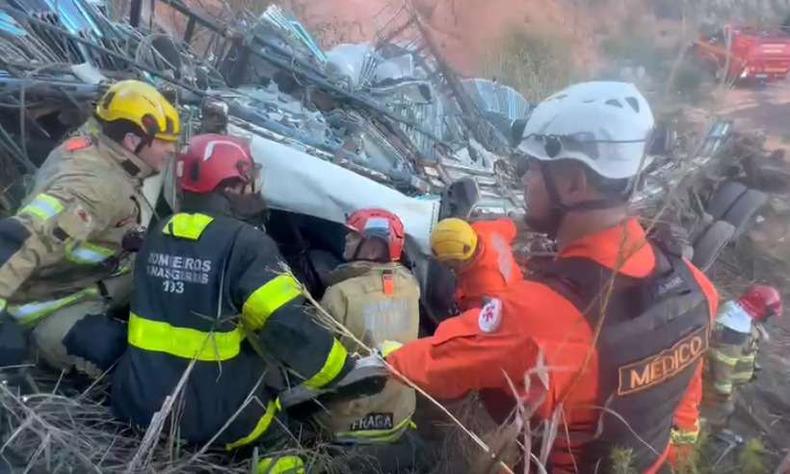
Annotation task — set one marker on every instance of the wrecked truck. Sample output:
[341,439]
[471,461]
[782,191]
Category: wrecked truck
[358,126]
[382,124]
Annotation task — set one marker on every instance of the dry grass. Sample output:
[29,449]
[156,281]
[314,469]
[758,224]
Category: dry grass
[63,431]
[57,432]
[516,436]
[534,62]
[338,328]
[455,451]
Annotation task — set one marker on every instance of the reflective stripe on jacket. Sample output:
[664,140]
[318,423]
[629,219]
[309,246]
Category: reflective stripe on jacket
[211,288]
[730,363]
[29,313]
[68,233]
[535,330]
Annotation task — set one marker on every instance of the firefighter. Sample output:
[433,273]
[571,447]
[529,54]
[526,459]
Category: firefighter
[481,255]
[378,300]
[212,289]
[65,254]
[636,385]
[735,341]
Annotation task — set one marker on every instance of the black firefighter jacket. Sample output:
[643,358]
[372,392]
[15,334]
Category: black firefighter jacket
[211,288]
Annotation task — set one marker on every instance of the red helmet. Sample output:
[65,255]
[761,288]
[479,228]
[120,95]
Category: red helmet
[211,159]
[761,302]
[381,224]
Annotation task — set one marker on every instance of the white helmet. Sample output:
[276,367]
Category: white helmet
[605,125]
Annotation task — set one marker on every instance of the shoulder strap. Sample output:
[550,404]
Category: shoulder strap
[669,291]
[588,284]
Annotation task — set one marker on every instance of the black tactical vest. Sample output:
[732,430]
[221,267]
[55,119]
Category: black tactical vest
[653,334]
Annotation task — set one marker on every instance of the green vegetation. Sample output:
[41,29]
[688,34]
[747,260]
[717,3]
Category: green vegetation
[706,458]
[622,461]
[752,458]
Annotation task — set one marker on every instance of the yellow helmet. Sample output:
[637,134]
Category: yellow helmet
[453,239]
[143,105]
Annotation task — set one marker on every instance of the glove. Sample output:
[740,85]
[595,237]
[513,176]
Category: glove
[368,376]
[13,341]
[388,347]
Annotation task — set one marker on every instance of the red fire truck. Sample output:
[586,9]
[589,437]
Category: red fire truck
[746,53]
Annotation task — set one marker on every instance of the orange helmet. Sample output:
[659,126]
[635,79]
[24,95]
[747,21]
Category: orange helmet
[381,224]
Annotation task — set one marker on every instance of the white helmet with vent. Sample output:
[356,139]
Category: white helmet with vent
[605,125]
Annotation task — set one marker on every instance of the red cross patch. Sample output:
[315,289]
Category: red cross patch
[490,316]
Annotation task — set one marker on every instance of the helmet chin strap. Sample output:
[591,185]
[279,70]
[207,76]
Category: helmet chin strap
[556,200]
[145,140]
[559,209]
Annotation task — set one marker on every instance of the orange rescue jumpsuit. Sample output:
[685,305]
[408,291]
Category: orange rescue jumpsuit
[493,267]
[461,357]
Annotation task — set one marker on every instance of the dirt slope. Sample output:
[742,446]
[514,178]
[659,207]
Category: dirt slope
[766,110]
[464,28]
